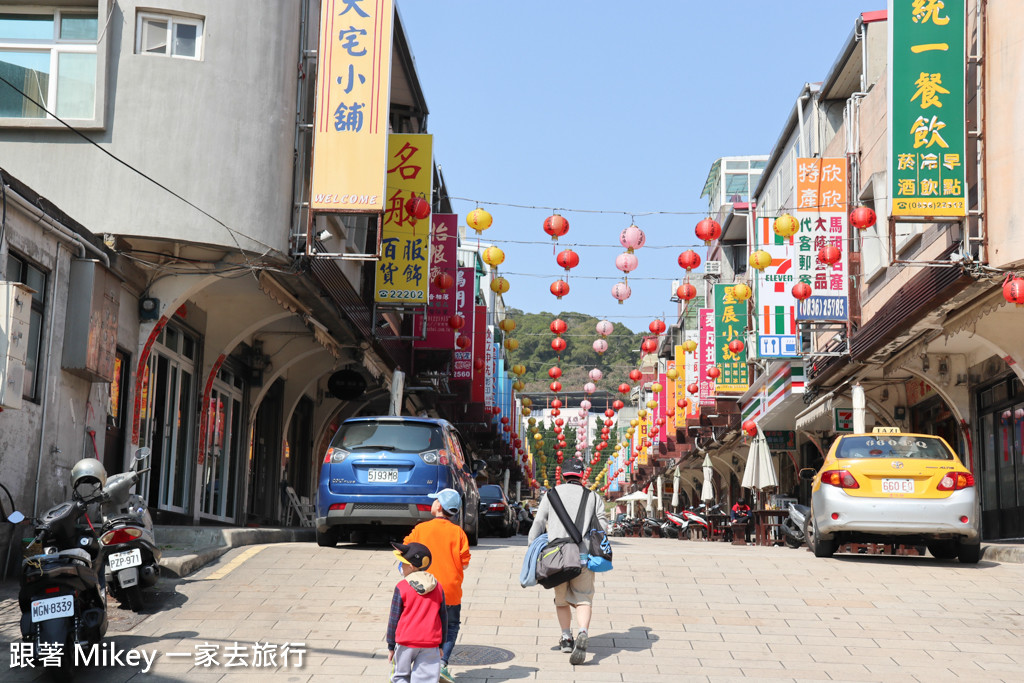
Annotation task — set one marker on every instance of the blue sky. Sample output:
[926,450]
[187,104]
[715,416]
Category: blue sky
[608,106]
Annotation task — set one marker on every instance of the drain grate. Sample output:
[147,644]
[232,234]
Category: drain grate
[476,655]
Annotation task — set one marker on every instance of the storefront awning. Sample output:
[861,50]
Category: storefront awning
[818,414]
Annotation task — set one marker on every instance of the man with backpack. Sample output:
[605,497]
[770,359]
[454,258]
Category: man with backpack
[577,592]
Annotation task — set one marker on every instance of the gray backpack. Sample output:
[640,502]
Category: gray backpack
[560,560]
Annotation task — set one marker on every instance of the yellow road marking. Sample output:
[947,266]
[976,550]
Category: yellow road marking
[234,564]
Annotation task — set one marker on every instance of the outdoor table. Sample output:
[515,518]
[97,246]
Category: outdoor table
[765,521]
[717,525]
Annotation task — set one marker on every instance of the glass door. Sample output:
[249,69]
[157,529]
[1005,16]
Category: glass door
[224,439]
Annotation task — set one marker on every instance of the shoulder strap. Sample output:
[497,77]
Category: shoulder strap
[573,529]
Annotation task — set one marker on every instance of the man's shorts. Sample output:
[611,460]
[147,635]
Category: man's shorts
[578,591]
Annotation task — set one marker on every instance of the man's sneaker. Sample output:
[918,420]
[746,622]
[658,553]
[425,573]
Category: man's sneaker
[579,650]
[566,643]
[446,676]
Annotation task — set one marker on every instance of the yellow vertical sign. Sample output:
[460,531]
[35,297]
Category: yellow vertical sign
[643,433]
[403,271]
[350,129]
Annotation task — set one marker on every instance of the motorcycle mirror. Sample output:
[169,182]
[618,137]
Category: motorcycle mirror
[808,473]
[143,453]
[15,517]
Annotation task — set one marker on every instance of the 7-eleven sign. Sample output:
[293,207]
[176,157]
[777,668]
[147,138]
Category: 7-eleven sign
[774,302]
[844,420]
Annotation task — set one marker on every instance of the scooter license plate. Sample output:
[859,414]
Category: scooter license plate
[53,608]
[128,558]
[128,577]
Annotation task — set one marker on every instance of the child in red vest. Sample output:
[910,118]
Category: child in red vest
[418,621]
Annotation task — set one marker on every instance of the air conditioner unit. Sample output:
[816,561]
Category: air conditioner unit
[713,267]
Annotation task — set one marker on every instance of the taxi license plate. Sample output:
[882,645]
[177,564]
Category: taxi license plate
[897,486]
[380,476]
[129,558]
[53,608]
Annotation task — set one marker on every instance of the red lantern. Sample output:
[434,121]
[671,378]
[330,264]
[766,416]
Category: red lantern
[708,230]
[750,427]
[559,288]
[456,322]
[862,217]
[830,254]
[714,373]
[558,326]
[556,404]
[689,260]
[670,412]
[496,410]
[619,405]
[657,326]
[649,345]
[504,420]
[555,412]
[624,389]
[568,259]
[1013,291]
[478,364]
[686,291]
[463,342]
[556,386]
[417,207]
[558,344]
[555,372]
[635,375]
[559,422]
[681,402]
[693,388]
[801,291]
[736,346]
[609,413]
[556,226]
[443,281]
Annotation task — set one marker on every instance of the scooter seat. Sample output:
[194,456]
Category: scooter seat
[77,553]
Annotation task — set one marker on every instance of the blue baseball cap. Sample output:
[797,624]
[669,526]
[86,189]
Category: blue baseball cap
[451,501]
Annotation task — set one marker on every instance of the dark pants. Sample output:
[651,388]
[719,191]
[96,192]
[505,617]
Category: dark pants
[454,614]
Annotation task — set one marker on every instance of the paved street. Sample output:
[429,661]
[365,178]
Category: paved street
[670,611]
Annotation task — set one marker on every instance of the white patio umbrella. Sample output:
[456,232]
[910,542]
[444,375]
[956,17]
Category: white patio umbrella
[675,490]
[707,491]
[759,474]
[661,493]
[650,500]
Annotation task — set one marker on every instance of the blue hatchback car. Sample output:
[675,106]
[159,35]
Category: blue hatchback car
[378,471]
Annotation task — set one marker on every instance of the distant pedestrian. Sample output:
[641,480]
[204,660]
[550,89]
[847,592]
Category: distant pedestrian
[578,592]
[418,620]
[450,548]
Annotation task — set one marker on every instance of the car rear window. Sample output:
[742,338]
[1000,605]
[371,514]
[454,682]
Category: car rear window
[490,493]
[893,446]
[404,437]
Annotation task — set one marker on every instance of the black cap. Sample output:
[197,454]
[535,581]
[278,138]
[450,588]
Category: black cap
[573,468]
[416,554]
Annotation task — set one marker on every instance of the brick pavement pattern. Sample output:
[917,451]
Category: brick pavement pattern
[670,611]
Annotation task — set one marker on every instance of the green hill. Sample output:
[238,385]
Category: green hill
[534,335]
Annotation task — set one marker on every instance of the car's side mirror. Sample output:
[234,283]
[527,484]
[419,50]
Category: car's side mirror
[808,473]
[479,466]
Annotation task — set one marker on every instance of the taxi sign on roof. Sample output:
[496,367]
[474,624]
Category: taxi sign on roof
[885,430]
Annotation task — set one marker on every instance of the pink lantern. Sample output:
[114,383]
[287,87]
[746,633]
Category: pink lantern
[600,346]
[632,238]
[621,291]
[585,404]
[596,375]
[604,328]
[626,262]
[589,388]
[581,412]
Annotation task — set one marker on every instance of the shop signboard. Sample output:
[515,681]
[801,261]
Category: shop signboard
[775,310]
[441,302]
[926,90]
[706,352]
[350,130]
[730,323]
[821,209]
[403,271]
[465,286]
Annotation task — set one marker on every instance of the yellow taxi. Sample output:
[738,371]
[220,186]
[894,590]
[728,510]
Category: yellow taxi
[891,486]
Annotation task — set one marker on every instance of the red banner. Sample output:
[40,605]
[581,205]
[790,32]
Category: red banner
[465,282]
[441,302]
[479,353]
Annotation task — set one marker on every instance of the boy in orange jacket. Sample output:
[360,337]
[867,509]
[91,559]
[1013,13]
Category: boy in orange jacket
[449,547]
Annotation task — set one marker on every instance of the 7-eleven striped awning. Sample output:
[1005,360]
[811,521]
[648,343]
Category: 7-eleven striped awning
[775,400]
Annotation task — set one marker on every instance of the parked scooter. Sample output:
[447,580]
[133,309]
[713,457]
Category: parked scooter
[680,524]
[792,527]
[63,595]
[691,515]
[127,537]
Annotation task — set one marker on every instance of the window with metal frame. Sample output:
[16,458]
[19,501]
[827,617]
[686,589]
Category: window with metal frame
[21,270]
[50,56]
[169,35]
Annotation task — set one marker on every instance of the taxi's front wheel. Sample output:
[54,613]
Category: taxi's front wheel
[968,553]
